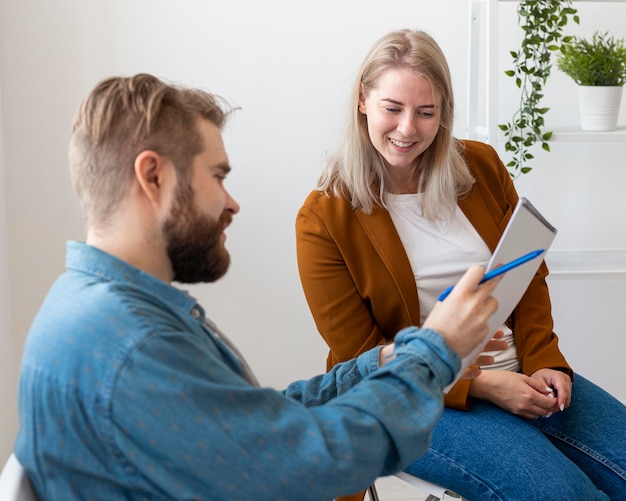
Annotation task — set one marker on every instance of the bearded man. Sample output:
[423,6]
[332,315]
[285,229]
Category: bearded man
[127,390]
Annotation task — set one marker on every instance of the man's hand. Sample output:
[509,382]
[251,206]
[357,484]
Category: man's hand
[463,320]
[463,317]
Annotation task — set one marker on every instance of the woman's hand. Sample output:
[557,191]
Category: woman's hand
[494,344]
[524,396]
[560,384]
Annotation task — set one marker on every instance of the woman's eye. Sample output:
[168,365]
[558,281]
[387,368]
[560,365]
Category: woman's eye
[392,110]
[425,114]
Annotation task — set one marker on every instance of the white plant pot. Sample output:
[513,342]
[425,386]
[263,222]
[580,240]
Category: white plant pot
[599,107]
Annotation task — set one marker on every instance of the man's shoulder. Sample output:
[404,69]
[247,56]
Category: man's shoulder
[89,340]
[85,323]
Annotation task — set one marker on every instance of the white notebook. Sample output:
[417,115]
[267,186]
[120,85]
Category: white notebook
[526,231]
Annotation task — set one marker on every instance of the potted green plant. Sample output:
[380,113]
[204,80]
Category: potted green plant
[598,66]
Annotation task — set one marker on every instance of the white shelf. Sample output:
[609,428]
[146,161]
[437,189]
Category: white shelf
[566,134]
[575,134]
[579,1]
[484,19]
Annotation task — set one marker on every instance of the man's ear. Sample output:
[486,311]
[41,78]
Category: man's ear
[152,172]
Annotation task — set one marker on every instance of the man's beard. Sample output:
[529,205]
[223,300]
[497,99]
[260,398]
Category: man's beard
[194,241]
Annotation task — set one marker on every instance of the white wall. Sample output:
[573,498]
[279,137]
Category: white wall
[8,354]
[289,66]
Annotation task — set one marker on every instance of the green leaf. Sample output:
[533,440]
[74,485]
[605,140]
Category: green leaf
[542,23]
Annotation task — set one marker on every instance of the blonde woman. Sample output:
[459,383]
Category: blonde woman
[402,209]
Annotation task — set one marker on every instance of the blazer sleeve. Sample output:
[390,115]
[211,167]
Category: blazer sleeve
[340,312]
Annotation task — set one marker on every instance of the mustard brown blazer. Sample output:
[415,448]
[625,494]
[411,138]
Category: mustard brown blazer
[361,289]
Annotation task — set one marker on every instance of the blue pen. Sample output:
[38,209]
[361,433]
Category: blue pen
[500,270]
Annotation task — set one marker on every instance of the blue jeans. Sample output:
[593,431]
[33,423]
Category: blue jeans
[487,453]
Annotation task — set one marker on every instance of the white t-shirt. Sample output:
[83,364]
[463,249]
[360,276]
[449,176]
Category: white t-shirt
[440,254]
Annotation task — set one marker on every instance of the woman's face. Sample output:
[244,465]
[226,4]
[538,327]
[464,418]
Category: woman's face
[403,117]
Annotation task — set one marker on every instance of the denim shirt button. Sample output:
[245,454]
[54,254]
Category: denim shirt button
[195,313]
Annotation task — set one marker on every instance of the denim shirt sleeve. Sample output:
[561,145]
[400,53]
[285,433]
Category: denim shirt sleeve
[202,431]
[337,381]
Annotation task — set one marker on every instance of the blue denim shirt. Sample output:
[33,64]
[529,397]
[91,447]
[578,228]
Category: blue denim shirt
[126,394]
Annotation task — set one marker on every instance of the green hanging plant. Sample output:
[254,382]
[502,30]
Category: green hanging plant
[542,22]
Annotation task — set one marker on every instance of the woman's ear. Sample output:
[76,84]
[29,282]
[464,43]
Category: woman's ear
[153,172]
[362,107]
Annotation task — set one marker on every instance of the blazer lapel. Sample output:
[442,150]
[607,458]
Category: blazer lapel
[474,208]
[382,233]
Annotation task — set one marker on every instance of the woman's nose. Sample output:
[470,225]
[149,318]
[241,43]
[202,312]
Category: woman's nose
[406,126]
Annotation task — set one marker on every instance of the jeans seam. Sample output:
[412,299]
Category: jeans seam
[584,449]
[467,472]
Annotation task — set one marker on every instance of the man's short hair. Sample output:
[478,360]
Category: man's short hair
[120,118]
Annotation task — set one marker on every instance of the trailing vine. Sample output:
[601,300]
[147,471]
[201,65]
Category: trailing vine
[542,22]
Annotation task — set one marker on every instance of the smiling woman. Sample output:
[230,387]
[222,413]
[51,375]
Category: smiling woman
[401,210]
[402,121]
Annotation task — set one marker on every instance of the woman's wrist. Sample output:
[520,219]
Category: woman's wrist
[479,386]
[386,354]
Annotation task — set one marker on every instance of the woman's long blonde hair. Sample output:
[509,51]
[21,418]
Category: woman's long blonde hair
[356,171]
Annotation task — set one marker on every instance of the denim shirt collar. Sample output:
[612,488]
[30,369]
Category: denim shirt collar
[88,259]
